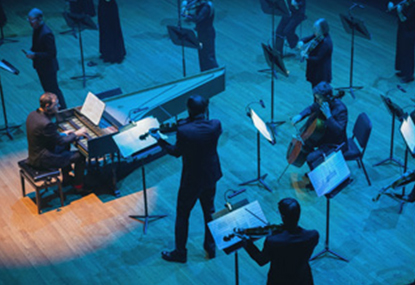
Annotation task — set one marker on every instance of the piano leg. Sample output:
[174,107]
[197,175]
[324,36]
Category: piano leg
[117,192]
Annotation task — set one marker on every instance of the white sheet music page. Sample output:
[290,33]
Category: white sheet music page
[129,142]
[261,126]
[248,216]
[93,108]
[330,174]
[408,132]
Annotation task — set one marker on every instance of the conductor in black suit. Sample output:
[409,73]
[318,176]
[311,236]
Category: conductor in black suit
[288,250]
[317,49]
[43,53]
[48,148]
[197,141]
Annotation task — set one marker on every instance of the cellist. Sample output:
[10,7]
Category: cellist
[334,114]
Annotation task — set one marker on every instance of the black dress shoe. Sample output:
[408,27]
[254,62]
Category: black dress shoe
[174,256]
[399,74]
[210,254]
[407,79]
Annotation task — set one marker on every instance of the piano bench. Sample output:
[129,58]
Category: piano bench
[40,179]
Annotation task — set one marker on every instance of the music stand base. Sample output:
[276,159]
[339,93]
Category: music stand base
[9,129]
[146,219]
[389,160]
[328,251]
[350,89]
[260,180]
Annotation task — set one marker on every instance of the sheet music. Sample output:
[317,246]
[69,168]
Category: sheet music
[261,126]
[248,216]
[408,132]
[330,174]
[93,108]
[128,141]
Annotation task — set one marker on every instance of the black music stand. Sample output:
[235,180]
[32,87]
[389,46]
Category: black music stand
[264,129]
[276,63]
[185,38]
[353,26]
[238,215]
[7,128]
[273,58]
[81,21]
[397,113]
[328,179]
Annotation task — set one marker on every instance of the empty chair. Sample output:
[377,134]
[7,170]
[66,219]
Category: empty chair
[358,142]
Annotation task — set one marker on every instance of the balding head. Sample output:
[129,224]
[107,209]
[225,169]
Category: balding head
[35,18]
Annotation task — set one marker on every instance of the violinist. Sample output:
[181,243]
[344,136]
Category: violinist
[333,112]
[288,24]
[201,12]
[197,140]
[317,49]
[288,250]
[405,42]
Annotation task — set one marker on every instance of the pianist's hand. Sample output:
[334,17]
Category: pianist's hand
[81,132]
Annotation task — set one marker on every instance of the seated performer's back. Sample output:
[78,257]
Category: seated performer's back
[288,250]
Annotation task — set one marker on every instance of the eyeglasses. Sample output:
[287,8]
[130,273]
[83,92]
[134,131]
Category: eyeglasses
[32,20]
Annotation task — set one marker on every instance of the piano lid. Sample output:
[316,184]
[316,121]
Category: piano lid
[166,100]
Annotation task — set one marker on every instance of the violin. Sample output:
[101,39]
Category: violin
[403,180]
[165,128]
[255,232]
[310,46]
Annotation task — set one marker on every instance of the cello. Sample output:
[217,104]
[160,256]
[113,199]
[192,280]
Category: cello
[308,136]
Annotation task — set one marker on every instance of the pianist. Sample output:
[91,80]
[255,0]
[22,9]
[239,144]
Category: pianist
[48,148]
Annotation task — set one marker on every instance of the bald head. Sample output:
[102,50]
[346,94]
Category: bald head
[35,18]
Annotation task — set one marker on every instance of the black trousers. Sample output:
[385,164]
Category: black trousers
[185,202]
[286,30]
[49,82]
[405,50]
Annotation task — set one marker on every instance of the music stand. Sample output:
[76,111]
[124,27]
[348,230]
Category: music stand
[7,128]
[262,128]
[129,145]
[241,215]
[328,179]
[273,58]
[276,63]
[397,113]
[353,26]
[185,38]
[81,21]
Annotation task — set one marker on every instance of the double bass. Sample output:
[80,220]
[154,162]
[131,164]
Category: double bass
[308,136]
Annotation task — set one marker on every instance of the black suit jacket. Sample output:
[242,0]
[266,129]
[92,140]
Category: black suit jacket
[44,47]
[336,125]
[196,143]
[319,61]
[288,253]
[43,138]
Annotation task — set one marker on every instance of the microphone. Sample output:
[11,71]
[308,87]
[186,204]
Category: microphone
[401,88]
[236,193]
[262,103]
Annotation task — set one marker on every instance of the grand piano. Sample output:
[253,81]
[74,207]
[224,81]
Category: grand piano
[163,102]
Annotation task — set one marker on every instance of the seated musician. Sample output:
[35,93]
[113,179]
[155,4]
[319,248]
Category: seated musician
[334,114]
[288,250]
[48,148]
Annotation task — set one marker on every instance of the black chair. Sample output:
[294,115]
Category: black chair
[39,179]
[358,142]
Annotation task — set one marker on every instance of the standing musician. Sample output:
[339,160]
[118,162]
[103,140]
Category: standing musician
[288,24]
[317,49]
[405,43]
[334,113]
[49,148]
[43,54]
[202,13]
[197,141]
[288,250]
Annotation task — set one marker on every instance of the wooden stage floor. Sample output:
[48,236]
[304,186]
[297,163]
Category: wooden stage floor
[92,239]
